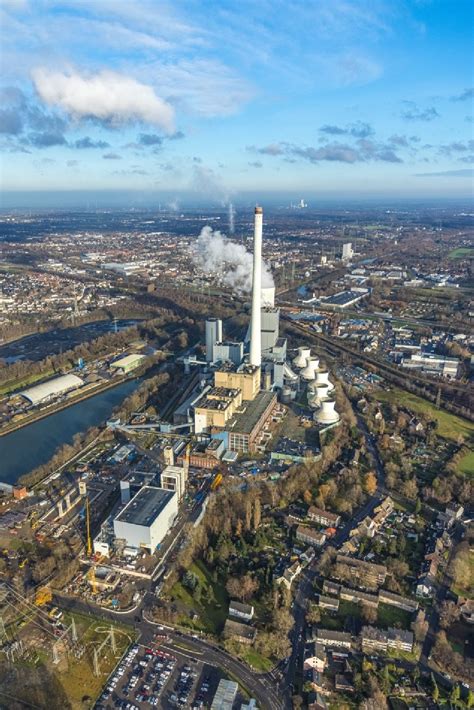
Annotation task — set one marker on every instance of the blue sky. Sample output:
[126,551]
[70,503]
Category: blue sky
[322,97]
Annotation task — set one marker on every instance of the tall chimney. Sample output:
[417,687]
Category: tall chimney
[255,323]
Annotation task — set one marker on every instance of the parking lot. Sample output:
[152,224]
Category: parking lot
[154,676]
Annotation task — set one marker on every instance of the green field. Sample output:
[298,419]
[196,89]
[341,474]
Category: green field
[389,616]
[449,425]
[213,613]
[461,253]
[24,382]
[257,661]
[466,465]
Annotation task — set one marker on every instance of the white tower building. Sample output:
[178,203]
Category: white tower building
[213,336]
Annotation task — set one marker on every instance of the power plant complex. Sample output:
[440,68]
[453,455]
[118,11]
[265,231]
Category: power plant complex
[245,379]
[236,398]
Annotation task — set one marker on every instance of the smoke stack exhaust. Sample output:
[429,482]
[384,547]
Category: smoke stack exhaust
[255,323]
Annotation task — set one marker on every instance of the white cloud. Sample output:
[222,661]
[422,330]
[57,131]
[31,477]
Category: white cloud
[204,87]
[107,96]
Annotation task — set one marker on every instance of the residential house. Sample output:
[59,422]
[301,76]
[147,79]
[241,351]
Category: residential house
[354,595]
[425,586]
[343,683]
[374,639]
[289,575]
[366,574]
[397,600]
[315,657]
[241,632]
[310,536]
[330,638]
[323,517]
[242,612]
[330,587]
[329,603]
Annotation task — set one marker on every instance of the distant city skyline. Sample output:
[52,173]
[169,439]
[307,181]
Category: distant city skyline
[226,99]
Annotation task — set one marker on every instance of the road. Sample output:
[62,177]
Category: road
[260,686]
[303,592]
[441,594]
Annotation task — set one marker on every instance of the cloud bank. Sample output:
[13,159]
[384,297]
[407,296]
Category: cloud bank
[107,96]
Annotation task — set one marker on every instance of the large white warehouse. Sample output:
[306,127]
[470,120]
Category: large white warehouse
[147,518]
[52,388]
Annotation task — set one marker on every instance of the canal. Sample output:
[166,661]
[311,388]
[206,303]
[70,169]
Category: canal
[24,449]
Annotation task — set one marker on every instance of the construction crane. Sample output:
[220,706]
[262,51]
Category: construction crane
[187,458]
[91,579]
[88,529]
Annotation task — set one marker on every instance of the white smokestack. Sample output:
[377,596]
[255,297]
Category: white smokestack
[255,323]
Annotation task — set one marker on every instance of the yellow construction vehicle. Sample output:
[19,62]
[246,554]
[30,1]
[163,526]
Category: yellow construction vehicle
[43,595]
[216,482]
[23,563]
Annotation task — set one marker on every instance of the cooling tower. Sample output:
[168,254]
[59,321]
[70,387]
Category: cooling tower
[322,378]
[307,373]
[300,360]
[326,414]
[256,319]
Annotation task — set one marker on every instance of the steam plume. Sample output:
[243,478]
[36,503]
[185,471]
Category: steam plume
[231,218]
[231,262]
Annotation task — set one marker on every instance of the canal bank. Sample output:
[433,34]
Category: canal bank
[79,396]
[23,450]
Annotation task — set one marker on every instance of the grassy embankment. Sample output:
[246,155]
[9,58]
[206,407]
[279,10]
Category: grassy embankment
[461,253]
[212,614]
[449,425]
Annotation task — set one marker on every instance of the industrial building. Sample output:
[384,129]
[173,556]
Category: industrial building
[51,389]
[213,336]
[345,299]
[432,364]
[174,478]
[126,364]
[147,518]
[243,377]
[229,351]
[347,252]
[216,407]
[245,427]
[225,696]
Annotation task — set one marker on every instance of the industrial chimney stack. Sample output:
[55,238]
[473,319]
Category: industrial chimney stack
[255,323]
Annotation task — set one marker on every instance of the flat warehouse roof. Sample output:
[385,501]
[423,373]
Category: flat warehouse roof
[146,506]
[55,386]
[245,423]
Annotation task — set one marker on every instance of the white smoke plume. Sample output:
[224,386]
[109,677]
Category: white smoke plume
[229,261]
[231,218]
